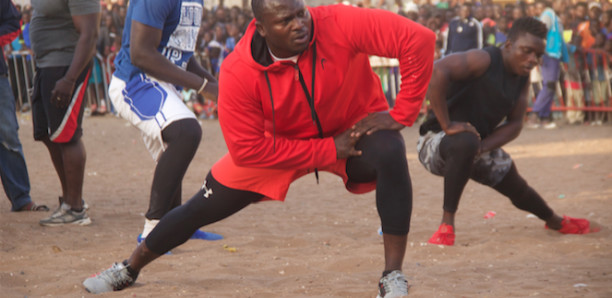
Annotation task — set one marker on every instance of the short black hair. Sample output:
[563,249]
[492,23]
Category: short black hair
[258,7]
[527,25]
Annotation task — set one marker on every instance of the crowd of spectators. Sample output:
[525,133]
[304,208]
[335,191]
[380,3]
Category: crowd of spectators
[460,25]
[583,89]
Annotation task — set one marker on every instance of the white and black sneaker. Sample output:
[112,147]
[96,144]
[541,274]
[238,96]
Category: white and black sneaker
[393,285]
[65,216]
[61,201]
[116,278]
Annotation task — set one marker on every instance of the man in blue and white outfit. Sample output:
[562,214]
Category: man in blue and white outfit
[155,61]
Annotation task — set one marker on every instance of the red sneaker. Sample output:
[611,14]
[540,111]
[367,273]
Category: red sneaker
[571,225]
[443,236]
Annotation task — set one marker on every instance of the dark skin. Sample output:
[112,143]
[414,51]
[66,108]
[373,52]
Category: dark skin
[286,28]
[519,57]
[143,51]
[87,27]
[69,158]
[144,41]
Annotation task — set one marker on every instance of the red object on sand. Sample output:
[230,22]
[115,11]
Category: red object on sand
[490,214]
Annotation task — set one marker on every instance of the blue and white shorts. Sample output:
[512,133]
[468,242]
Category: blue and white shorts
[489,167]
[150,105]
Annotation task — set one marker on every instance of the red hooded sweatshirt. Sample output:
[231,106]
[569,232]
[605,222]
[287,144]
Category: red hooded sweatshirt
[268,122]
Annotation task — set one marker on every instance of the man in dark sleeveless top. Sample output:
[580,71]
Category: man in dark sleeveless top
[479,100]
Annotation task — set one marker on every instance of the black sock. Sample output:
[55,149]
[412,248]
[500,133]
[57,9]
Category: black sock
[133,273]
[387,272]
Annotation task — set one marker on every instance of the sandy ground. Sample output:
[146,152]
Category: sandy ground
[322,242]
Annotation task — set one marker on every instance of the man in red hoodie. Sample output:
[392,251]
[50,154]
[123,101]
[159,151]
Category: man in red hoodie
[298,96]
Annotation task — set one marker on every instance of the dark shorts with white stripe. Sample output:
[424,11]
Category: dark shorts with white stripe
[60,125]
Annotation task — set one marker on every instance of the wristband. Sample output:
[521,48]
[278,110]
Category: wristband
[203,85]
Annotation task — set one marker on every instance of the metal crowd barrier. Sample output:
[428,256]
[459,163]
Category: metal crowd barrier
[583,75]
[97,87]
[597,91]
[21,76]
[593,65]
[590,63]
[21,68]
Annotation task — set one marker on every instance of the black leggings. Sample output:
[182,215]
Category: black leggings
[182,138]
[458,152]
[383,160]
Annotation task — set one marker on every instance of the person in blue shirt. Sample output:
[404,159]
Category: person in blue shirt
[154,63]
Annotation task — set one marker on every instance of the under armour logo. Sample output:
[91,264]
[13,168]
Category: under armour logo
[207,192]
[323,63]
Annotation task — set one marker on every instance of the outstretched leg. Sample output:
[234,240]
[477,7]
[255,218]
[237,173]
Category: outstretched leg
[212,203]
[526,198]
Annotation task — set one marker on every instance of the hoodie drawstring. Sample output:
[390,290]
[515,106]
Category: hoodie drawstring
[310,96]
[273,118]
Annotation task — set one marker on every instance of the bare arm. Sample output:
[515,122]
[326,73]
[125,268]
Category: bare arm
[453,68]
[212,88]
[87,26]
[143,51]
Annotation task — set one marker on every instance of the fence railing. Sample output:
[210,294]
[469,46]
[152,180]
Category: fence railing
[21,76]
[22,68]
[585,84]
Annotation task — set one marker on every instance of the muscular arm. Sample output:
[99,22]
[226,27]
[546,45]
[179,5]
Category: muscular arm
[212,87]
[454,68]
[144,41]
[510,129]
[87,26]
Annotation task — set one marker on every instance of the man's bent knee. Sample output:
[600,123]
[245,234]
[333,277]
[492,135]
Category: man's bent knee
[388,144]
[461,144]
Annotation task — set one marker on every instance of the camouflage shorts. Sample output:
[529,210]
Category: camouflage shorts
[489,167]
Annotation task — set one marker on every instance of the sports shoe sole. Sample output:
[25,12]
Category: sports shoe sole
[80,222]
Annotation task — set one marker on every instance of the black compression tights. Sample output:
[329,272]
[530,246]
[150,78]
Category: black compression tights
[458,152]
[383,160]
[522,195]
[211,204]
[182,138]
